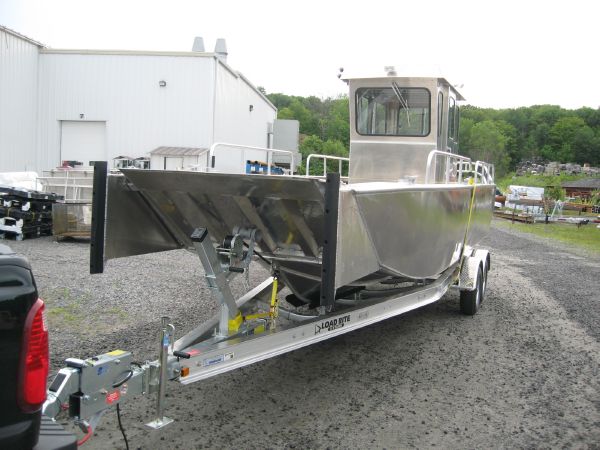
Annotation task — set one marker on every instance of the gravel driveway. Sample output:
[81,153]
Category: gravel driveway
[523,372]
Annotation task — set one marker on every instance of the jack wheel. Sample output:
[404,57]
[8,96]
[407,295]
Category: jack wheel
[471,300]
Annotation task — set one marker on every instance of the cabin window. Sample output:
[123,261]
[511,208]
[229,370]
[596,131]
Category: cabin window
[457,123]
[393,111]
[452,118]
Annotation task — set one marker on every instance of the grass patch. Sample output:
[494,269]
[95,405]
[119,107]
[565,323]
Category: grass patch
[68,314]
[586,236]
[66,307]
[63,306]
[116,312]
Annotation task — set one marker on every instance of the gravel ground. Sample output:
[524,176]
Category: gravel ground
[523,372]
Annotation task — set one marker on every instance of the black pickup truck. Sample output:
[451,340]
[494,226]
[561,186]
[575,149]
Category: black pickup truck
[24,361]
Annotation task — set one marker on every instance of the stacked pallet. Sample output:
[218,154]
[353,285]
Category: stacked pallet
[25,213]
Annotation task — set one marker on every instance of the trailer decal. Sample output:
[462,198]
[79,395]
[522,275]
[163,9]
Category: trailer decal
[217,359]
[332,324]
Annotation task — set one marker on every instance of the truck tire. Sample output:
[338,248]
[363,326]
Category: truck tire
[471,300]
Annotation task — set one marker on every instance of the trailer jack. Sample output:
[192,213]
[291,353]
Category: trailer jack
[166,340]
[88,388]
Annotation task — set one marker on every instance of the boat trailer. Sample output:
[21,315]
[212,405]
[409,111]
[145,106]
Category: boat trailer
[394,235]
[246,330]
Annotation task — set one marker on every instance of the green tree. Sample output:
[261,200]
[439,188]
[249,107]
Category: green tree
[336,124]
[590,116]
[562,137]
[314,144]
[513,150]
[489,144]
[280,100]
[465,131]
[549,114]
[586,146]
[539,138]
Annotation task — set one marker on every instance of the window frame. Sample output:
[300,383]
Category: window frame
[440,114]
[356,109]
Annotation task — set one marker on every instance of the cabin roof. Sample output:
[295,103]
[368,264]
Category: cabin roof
[440,80]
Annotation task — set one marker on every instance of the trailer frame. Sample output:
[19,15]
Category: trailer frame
[241,334]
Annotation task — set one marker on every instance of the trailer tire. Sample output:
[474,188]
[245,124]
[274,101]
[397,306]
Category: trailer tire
[485,277]
[471,300]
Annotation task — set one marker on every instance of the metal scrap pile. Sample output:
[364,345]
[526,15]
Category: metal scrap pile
[25,213]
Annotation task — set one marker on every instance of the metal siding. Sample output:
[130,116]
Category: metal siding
[18,92]
[234,122]
[123,91]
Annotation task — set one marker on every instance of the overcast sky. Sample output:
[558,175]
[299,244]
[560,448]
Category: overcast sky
[506,53]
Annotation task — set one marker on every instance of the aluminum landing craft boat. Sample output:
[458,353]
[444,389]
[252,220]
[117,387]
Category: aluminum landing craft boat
[394,235]
[406,210]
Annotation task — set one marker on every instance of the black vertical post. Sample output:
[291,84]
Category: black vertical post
[332,197]
[98,217]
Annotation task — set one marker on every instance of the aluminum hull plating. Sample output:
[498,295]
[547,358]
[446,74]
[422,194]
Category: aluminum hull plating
[385,228]
[418,231]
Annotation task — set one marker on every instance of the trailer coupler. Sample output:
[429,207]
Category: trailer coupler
[88,388]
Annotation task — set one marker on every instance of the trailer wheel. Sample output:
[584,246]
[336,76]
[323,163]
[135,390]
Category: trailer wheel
[484,283]
[471,300]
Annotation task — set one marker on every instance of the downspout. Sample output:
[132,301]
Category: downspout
[36,150]
[214,106]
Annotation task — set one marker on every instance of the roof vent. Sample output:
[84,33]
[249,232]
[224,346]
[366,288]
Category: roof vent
[390,71]
[221,49]
[198,45]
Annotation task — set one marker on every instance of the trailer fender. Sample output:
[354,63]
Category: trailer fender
[467,281]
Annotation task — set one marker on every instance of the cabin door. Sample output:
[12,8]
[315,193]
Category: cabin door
[441,144]
[452,125]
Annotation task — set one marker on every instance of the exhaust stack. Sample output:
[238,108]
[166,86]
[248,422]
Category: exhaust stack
[198,45]
[221,49]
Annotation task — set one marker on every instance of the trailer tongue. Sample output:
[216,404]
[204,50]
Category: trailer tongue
[393,236]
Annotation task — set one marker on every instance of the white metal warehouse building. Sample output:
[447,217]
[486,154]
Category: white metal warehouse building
[88,105]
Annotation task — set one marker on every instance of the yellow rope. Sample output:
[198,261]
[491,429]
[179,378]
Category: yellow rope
[274,310]
[473,183]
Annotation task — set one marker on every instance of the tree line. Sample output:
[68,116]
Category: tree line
[504,137]
[545,132]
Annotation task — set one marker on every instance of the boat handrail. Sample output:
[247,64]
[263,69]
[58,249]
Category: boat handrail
[482,171]
[451,159]
[341,160]
[485,172]
[270,152]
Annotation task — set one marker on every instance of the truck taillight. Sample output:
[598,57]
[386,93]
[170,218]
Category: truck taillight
[34,360]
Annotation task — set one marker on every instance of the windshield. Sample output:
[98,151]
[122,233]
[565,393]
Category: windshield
[393,111]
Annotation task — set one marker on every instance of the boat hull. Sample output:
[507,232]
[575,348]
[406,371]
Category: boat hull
[418,231]
[383,228]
